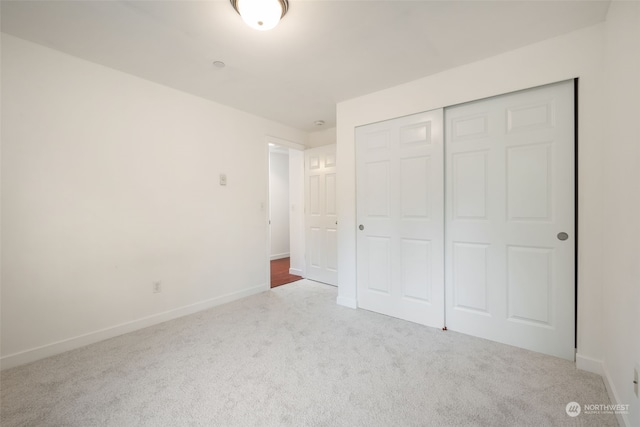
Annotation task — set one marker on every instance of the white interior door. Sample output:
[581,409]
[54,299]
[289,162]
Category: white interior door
[509,197]
[321,219]
[400,215]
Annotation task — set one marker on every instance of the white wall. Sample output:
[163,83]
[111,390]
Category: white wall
[578,54]
[621,173]
[279,203]
[110,183]
[322,137]
[296,214]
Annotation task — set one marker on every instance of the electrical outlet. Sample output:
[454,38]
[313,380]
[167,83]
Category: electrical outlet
[157,287]
[635,378]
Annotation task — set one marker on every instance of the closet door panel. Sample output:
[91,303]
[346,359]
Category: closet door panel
[509,194]
[400,238]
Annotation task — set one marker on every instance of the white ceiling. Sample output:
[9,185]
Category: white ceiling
[323,51]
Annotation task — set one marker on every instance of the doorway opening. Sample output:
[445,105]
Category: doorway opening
[286,212]
[280,272]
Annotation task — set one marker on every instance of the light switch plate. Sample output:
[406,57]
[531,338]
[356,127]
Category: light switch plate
[223,179]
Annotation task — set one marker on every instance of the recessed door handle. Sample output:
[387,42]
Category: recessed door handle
[361,227]
[563,236]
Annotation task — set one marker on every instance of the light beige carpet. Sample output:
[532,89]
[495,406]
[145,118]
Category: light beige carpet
[292,357]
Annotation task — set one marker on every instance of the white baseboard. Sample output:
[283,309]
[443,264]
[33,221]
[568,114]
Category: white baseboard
[31,355]
[347,302]
[598,367]
[589,364]
[623,419]
[296,272]
[280,256]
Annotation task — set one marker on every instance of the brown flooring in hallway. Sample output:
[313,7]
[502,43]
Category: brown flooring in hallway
[280,272]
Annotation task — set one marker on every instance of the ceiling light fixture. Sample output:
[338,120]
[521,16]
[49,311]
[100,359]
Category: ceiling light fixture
[319,123]
[261,14]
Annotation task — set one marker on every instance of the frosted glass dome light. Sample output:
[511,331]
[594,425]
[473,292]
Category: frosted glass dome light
[261,15]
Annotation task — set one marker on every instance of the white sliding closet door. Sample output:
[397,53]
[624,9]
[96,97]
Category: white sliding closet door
[510,243]
[400,196]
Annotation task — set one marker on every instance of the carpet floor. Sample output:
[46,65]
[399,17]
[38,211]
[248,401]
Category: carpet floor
[292,357]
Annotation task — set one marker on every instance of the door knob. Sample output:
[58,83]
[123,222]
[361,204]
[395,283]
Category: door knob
[361,227]
[563,236]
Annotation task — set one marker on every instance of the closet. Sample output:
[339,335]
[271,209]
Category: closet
[466,218]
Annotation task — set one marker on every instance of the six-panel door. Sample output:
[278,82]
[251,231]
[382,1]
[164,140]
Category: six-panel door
[399,212]
[487,221]
[509,193]
[321,215]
